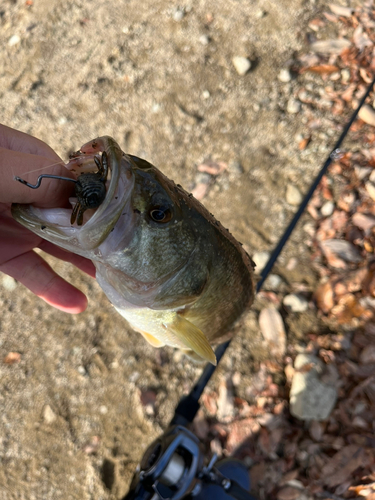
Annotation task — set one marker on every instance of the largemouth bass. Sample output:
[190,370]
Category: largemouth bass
[165,263]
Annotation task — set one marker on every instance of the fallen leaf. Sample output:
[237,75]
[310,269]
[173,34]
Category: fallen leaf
[339,10]
[342,464]
[304,143]
[322,69]
[332,46]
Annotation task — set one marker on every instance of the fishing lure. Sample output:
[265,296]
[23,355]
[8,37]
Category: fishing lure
[89,188]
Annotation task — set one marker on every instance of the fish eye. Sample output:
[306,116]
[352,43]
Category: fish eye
[160,214]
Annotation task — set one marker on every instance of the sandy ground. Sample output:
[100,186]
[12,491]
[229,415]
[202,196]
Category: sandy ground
[158,77]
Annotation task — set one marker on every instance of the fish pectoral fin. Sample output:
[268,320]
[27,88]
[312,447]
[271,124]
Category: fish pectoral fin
[192,337]
[151,339]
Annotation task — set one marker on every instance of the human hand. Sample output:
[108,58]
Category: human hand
[25,156]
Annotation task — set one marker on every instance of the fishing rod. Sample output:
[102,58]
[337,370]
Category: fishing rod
[173,466]
[182,414]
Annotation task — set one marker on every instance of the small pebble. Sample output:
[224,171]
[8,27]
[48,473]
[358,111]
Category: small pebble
[296,303]
[372,175]
[345,75]
[178,15]
[293,195]
[367,114]
[284,76]
[241,64]
[293,106]
[13,40]
[260,13]
[327,209]
[273,282]
[9,283]
[260,259]
[49,415]
[103,409]
[206,94]
[204,40]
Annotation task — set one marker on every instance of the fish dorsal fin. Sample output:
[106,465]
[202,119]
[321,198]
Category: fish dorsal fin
[192,337]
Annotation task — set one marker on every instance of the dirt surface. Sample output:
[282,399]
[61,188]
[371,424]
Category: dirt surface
[78,409]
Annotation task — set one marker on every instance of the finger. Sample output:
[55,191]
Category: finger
[51,193]
[83,264]
[34,272]
[19,141]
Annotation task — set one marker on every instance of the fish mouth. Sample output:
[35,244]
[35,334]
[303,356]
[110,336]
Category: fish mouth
[53,224]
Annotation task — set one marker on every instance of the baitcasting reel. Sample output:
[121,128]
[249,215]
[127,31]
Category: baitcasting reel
[173,468]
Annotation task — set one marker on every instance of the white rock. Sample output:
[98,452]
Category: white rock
[296,303]
[8,283]
[293,195]
[284,76]
[345,75]
[273,281]
[48,415]
[260,259]
[178,14]
[310,399]
[241,64]
[204,40]
[293,106]
[13,40]
[367,114]
[272,327]
[372,175]
[327,209]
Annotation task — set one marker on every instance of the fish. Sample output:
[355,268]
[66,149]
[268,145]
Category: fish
[166,264]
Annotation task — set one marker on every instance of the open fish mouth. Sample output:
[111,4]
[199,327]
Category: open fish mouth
[55,224]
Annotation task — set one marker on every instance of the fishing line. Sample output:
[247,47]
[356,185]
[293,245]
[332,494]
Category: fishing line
[189,405]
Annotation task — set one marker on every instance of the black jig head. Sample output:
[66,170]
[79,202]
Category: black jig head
[89,188]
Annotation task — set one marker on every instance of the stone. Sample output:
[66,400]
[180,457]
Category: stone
[8,283]
[309,398]
[241,64]
[296,303]
[284,75]
[272,327]
[260,259]
[293,195]
[14,40]
[327,209]
[293,106]
[49,415]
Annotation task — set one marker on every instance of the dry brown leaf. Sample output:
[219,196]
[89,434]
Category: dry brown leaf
[304,143]
[322,69]
[339,10]
[342,464]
